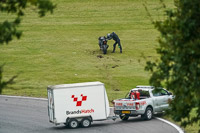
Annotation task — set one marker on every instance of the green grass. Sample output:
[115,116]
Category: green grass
[190,128]
[63,48]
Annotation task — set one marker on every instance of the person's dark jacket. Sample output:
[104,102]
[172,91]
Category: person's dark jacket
[114,37]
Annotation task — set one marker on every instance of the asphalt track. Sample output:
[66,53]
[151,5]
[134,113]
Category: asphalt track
[22,115]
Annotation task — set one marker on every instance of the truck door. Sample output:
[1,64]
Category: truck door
[157,102]
[160,100]
[50,105]
[165,97]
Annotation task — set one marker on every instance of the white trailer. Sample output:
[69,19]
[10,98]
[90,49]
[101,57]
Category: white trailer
[78,103]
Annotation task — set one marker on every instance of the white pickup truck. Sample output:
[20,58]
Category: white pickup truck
[150,101]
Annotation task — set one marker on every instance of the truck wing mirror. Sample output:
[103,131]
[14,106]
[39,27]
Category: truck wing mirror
[169,93]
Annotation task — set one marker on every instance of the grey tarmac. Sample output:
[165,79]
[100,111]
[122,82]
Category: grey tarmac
[23,115]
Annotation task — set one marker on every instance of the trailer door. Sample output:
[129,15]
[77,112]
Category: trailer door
[50,105]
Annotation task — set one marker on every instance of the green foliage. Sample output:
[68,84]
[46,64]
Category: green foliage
[179,65]
[8,29]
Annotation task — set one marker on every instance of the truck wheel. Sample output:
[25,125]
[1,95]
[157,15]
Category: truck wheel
[73,123]
[148,114]
[124,117]
[85,122]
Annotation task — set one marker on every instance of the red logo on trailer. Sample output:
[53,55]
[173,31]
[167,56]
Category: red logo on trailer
[79,103]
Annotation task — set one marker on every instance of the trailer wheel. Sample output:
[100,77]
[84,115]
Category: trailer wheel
[85,122]
[148,114]
[124,117]
[73,123]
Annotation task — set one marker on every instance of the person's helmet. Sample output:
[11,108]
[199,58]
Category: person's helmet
[108,35]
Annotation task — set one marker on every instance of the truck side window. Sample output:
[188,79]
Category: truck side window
[144,93]
[159,92]
[156,93]
[163,92]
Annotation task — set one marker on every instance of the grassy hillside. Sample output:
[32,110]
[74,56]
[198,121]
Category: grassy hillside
[63,48]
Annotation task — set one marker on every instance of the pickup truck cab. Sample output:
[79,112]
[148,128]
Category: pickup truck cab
[149,102]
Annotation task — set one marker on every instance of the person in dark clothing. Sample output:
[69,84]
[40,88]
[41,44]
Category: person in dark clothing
[115,37]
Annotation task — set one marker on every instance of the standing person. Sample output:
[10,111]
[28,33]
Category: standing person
[115,37]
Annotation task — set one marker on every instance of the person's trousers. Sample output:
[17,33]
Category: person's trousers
[119,44]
